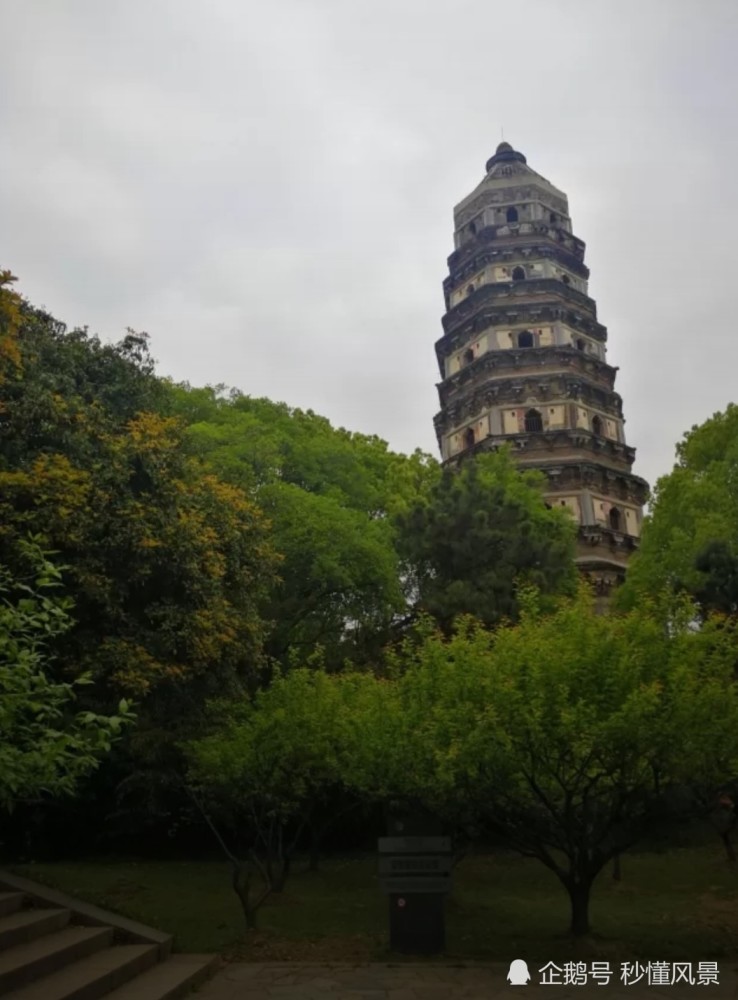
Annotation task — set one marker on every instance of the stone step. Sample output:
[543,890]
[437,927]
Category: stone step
[27,962]
[25,925]
[10,902]
[168,980]
[92,977]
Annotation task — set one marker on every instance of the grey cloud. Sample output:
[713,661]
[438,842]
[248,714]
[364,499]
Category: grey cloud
[267,189]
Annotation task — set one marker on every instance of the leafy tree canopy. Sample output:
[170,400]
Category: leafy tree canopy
[10,318]
[692,528]
[480,532]
[330,496]
[46,747]
[269,768]
[167,563]
[568,735]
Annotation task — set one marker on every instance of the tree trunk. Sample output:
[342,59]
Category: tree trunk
[241,883]
[240,872]
[725,837]
[314,850]
[579,897]
[616,867]
[278,861]
[279,873]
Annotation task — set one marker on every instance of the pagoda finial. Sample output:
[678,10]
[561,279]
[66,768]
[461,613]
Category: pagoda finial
[504,152]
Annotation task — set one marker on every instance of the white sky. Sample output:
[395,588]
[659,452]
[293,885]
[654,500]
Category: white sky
[267,188]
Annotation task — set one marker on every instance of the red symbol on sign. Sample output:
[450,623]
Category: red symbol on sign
[400,903]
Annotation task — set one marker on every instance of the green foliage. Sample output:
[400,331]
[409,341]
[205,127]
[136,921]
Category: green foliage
[168,565]
[479,533]
[275,758]
[330,496]
[568,735]
[45,748]
[339,578]
[254,442]
[719,592]
[268,770]
[693,508]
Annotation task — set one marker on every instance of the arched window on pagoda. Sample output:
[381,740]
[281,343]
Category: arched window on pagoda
[615,518]
[468,356]
[469,439]
[525,339]
[512,214]
[518,274]
[472,228]
[596,426]
[566,279]
[580,344]
[533,421]
[469,289]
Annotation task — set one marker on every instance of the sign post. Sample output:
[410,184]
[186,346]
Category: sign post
[415,872]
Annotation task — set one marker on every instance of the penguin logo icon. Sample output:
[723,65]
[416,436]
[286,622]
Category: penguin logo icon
[518,974]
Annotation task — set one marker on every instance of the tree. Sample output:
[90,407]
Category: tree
[719,591]
[45,748]
[10,318]
[477,534]
[569,736]
[270,768]
[692,527]
[168,565]
[330,496]
[339,581]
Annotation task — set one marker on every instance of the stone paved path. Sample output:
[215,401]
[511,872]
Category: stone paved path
[297,981]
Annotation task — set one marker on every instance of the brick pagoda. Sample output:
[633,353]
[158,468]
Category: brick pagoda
[523,361]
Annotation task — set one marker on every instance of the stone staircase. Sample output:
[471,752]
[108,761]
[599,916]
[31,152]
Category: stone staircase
[56,948]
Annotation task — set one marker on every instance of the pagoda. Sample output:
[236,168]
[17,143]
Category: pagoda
[523,361]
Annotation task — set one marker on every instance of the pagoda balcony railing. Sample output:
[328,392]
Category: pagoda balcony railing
[528,289]
[563,355]
[477,256]
[536,448]
[506,395]
[574,476]
[472,382]
[599,533]
[489,234]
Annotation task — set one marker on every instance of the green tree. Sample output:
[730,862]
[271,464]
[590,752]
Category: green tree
[339,581]
[477,534]
[692,527]
[271,768]
[719,591]
[568,736]
[167,564]
[45,747]
[331,497]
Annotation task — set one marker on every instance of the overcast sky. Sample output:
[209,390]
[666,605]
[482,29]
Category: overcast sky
[267,188]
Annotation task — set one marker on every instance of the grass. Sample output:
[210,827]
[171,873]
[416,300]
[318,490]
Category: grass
[680,905]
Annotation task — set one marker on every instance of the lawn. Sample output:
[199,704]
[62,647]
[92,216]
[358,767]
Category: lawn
[680,905]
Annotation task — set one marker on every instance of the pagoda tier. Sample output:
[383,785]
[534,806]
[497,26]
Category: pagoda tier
[523,361]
